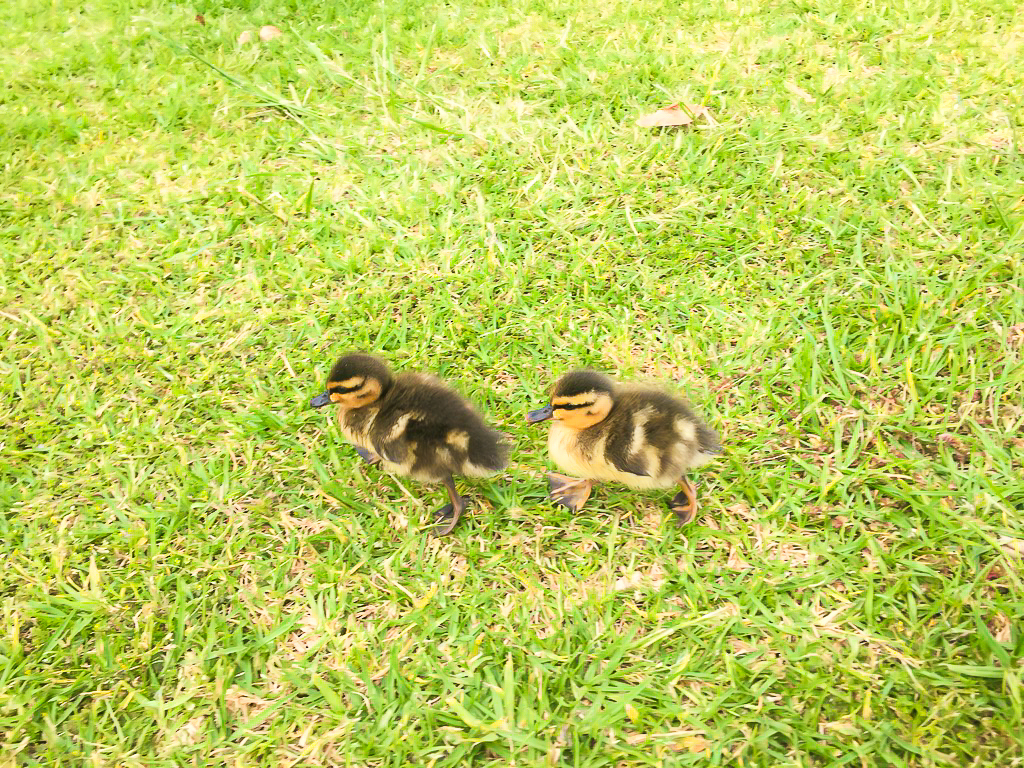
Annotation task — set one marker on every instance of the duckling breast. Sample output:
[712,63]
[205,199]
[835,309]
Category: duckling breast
[356,425]
[566,450]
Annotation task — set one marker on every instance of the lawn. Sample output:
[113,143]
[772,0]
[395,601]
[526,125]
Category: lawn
[198,571]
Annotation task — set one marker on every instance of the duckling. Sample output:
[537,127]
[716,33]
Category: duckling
[636,435]
[412,424]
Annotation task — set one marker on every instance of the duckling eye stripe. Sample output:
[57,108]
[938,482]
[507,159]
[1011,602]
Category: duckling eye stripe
[343,390]
[571,406]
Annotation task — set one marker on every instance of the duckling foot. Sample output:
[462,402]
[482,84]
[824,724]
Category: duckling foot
[369,458]
[569,492]
[684,503]
[447,517]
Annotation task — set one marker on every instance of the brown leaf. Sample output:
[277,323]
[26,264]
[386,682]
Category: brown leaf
[797,91]
[833,77]
[740,647]
[740,510]
[188,734]
[1001,629]
[1011,546]
[957,446]
[696,744]
[1015,335]
[839,726]
[269,32]
[676,114]
[689,741]
[736,561]
[201,19]
[245,37]
[239,701]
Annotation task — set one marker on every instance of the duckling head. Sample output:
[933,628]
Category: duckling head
[355,380]
[579,400]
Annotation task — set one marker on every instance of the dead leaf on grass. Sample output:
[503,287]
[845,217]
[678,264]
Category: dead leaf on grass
[957,446]
[1001,629]
[639,581]
[833,77]
[189,733]
[676,114]
[741,510]
[676,741]
[201,19]
[269,32]
[245,37]
[799,92]
[695,744]
[243,703]
[736,561]
[844,727]
[1011,546]
[740,647]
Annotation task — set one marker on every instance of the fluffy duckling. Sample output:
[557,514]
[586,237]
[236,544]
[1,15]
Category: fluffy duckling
[636,435]
[412,424]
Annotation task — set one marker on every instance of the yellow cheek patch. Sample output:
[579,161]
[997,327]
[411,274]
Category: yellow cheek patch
[335,397]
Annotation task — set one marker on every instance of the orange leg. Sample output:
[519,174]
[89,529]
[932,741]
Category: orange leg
[684,503]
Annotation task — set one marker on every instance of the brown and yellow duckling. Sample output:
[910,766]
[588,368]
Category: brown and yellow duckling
[412,424]
[636,435]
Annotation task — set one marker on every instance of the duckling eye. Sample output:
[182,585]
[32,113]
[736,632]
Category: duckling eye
[572,406]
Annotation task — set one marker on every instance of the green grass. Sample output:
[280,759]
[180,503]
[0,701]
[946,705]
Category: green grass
[197,571]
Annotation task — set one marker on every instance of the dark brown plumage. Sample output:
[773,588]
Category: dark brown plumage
[413,424]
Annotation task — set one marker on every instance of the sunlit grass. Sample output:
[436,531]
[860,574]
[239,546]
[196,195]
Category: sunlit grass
[198,571]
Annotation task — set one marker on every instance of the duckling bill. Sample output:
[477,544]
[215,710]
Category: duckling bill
[412,424]
[640,436]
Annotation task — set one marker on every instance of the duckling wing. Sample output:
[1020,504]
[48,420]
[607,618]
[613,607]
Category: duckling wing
[389,437]
[432,431]
[394,452]
[630,431]
[628,463]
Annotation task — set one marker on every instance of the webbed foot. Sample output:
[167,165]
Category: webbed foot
[446,518]
[684,503]
[367,456]
[569,492]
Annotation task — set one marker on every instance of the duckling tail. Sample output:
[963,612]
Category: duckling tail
[488,453]
[708,440]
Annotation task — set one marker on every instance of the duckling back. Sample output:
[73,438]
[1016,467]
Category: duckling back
[648,440]
[676,438]
[427,430]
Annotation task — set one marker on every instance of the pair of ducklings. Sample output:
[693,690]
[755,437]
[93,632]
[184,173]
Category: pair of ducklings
[413,424]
